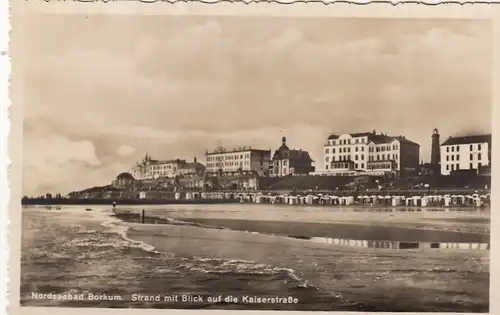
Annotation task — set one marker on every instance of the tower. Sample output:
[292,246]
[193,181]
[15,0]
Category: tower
[283,141]
[435,151]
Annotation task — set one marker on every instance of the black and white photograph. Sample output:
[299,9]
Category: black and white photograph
[255,162]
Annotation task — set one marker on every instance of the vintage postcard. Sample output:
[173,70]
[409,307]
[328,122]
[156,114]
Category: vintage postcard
[259,157]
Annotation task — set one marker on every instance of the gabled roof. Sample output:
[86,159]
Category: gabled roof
[468,140]
[292,154]
[376,138]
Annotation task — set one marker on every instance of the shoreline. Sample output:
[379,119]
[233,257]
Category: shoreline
[381,289]
[109,202]
[397,232]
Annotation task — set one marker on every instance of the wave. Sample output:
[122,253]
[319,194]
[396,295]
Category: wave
[204,265]
[114,226]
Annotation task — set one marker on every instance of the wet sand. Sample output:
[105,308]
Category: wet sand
[346,231]
[377,279]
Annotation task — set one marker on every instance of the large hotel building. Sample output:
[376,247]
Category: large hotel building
[238,159]
[465,153]
[369,153]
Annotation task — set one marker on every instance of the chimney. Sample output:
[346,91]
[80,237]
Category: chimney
[283,140]
[194,160]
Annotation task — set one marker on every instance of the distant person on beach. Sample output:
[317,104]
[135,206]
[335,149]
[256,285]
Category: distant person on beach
[114,206]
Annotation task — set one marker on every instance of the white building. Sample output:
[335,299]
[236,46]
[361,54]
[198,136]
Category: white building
[369,153]
[158,169]
[465,153]
[238,159]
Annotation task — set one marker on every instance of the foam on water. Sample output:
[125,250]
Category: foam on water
[197,264]
[116,226]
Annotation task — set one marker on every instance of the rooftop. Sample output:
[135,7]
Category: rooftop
[176,161]
[221,150]
[375,138]
[125,175]
[468,140]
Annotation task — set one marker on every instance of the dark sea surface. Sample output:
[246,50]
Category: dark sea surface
[73,252]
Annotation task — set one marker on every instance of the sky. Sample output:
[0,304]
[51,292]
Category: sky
[101,91]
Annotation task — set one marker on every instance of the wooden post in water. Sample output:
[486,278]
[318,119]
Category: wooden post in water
[143,215]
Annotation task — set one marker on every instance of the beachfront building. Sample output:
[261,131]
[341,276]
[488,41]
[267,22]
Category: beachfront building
[191,168]
[370,153]
[163,169]
[123,180]
[242,159]
[472,153]
[288,161]
[149,168]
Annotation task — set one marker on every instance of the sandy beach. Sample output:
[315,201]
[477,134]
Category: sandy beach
[381,279]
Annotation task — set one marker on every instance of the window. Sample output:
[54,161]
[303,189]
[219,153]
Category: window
[378,157]
[457,167]
[356,157]
[453,158]
[362,165]
[452,167]
[327,151]
[349,157]
[333,150]
[471,166]
[470,147]
[452,149]
[479,165]
[458,148]
[357,141]
[326,166]
[349,150]
[471,156]
[479,156]
[447,149]
[362,149]
[447,167]
[333,158]
[383,157]
[458,157]
[357,149]
[396,165]
[326,159]
[362,156]
[356,166]
[479,147]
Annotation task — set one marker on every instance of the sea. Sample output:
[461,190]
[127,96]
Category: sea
[71,257]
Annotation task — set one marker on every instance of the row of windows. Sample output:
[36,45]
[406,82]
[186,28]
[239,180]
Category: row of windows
[285,162]
[347,141]
[383,148]
[162,167]
[218,164]
[457,157]
[378,166]
[456,167]
[362,149]
[362,166]
[345,150]
[457,148]
[228,157]
[362,157]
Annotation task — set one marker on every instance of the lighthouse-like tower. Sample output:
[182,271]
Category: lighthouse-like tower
[435,151]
